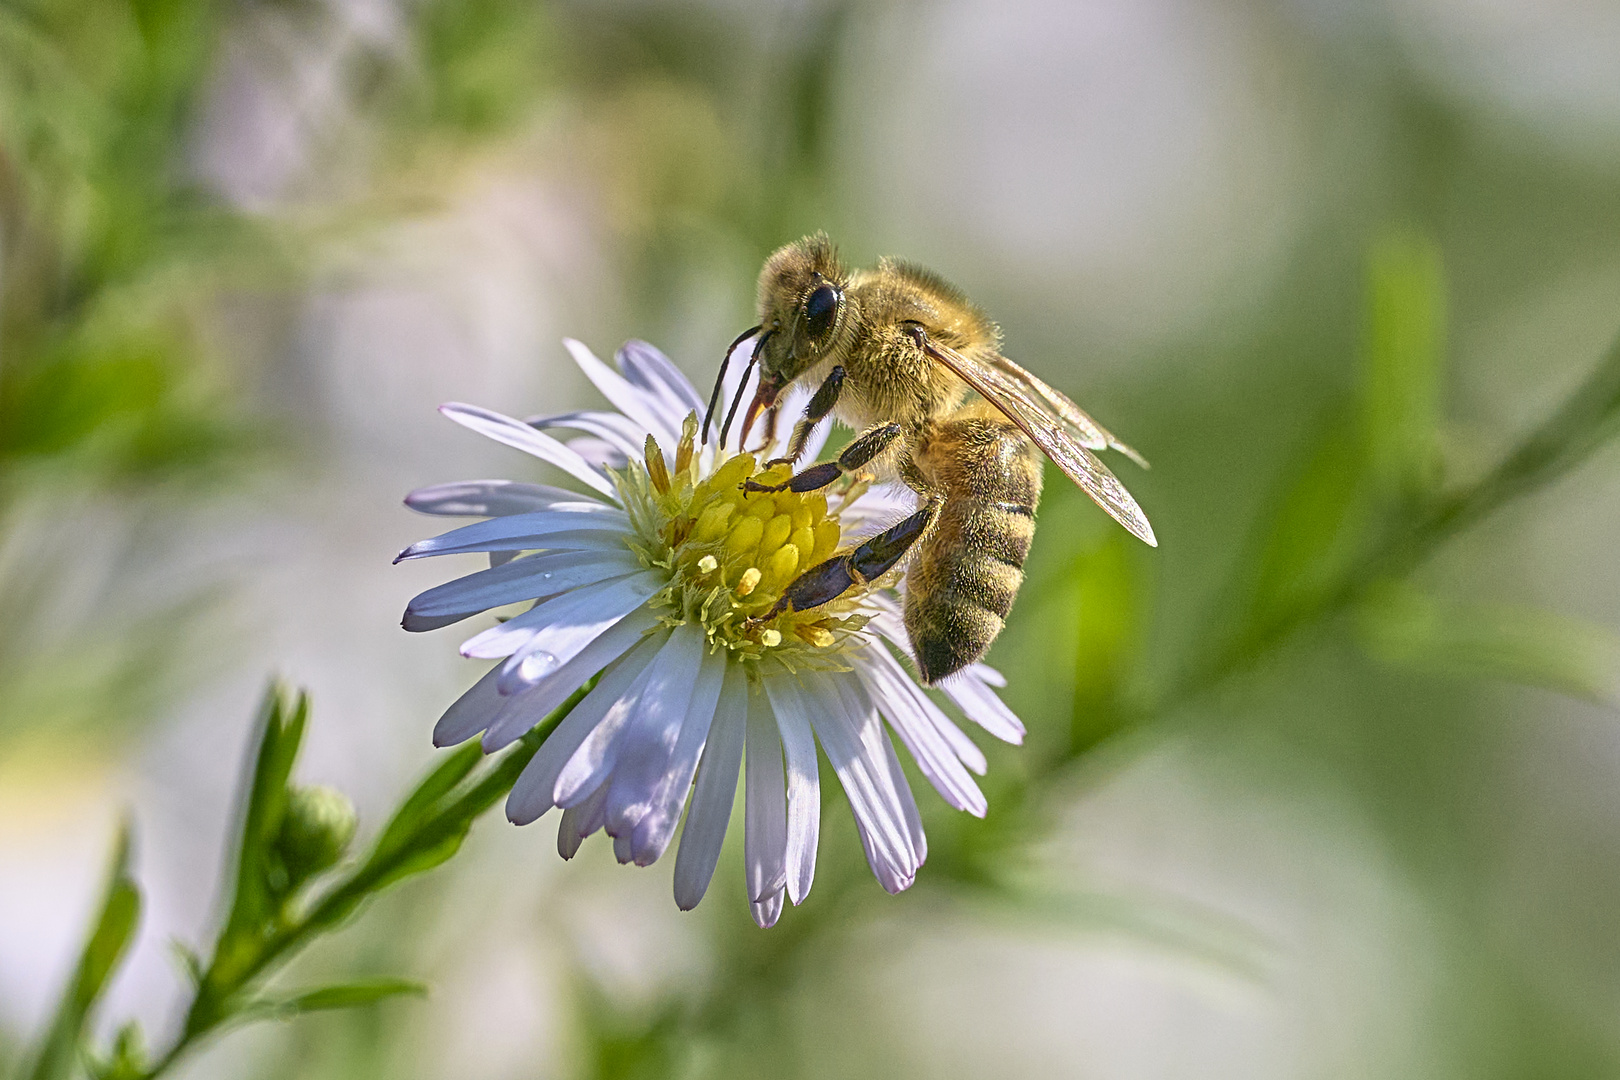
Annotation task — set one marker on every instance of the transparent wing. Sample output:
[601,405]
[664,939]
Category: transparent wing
[1090,433]
[1056,425]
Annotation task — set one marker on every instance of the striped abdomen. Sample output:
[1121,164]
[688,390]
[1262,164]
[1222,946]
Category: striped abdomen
[986,478]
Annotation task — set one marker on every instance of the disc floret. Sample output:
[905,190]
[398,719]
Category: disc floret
[730,552]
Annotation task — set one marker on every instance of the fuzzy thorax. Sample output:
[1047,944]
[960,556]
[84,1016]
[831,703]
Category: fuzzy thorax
[731,552]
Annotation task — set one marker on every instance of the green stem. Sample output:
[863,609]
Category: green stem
[216,1006]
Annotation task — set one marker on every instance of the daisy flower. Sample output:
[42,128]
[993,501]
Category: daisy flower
[657,579]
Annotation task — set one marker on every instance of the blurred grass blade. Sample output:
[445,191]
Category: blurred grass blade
[341,996]
[253,903]
[1109,581]
[1405,356]
[114,929]
[1403,626]
[1313,532]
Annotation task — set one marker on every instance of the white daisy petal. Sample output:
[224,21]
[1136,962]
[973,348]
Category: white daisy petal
[488,498]
[470,713]
[530,578]
[611,428]
[521,436]
[521,532]
[803,783]
[940,763]
[561,626]
[656,825]
[637,404]
[851,736]
[767,910]
[662,691]
[621,844]
[532,793]
[648,368]
[908,803]
[526,708]
[980,704]
[765,803]
[713,794]
[986,674]
[578,822]
[647,746]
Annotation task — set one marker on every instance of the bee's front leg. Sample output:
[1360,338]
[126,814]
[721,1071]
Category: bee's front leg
[821,404]
[857,454]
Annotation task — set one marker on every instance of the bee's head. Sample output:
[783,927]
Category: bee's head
[802,314]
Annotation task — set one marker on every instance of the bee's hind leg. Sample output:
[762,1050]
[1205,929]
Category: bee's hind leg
[827,581]
[856,455]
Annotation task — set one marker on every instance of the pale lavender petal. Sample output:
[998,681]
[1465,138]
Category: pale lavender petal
[980,704]
[656,700]
[803,782]
[908,803]
[601,453]
[488,498]
[935,757]
[470,713]
[528,707]
[647,745]
[617,431]
[519,532]
[714,793]
[987,674]
[901,685]
[765,803]
[647,367]
[637,404]
[767,910]
[521,436]
[531,794]
[621,844]
[656,826]
[530,578]
[578,822]
[850,733]
[564,624]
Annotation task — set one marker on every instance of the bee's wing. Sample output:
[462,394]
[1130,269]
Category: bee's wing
[1056,425]
[1090,433]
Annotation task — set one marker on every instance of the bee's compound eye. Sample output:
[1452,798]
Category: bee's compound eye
[820,310]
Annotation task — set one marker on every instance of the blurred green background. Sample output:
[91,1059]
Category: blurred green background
[1303,796]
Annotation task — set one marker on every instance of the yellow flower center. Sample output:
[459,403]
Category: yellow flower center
[730,552]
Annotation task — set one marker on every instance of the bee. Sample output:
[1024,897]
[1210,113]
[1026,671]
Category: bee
[910,363]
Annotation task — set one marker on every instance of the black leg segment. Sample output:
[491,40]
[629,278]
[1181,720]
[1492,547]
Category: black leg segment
[821,403]
[827,581]
[857,454]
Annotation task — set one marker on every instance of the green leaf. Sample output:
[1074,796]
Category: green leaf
[110,937]
[1403,626]
[341,996]
[1405,354]
[255,904]
[434,787]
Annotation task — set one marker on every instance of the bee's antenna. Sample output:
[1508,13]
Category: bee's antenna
[753,358]
[719,379]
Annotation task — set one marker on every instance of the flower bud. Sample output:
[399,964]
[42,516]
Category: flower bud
[315,831]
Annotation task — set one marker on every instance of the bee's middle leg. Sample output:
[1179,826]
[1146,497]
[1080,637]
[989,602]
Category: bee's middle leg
[829,580]
[856,455]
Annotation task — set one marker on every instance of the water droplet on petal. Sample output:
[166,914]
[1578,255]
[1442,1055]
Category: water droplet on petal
[537,665]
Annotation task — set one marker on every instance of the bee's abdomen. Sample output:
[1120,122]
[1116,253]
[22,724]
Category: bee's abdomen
[969,566]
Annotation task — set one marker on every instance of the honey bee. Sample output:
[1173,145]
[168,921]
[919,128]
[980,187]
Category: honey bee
[906,360]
